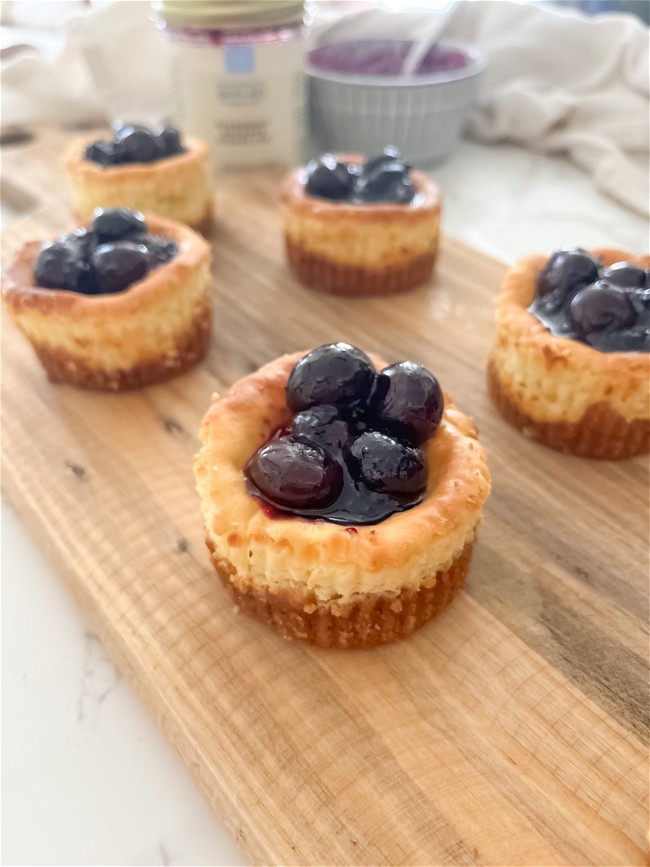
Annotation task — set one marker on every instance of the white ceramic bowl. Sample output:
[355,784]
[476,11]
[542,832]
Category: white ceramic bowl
[422,116]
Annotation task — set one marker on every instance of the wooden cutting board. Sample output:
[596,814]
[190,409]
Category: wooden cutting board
[511,731]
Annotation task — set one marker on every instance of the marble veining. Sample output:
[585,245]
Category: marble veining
[165,857]
[99,679]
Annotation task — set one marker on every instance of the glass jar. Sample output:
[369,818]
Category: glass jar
[237,77]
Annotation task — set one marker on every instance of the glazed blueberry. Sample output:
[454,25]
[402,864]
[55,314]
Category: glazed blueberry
[330,463]
[336,374]
[294,474]
[388,182]
[161,250]
[328,178]
[60,265]
[384,464]
[117,224]
[567,271]
[601,307]
[119,264]
[404,192]
[136,144]
[382,178]
[322,425]
[101,152]
[83,240]
[121,132]
[643,296]
[170,141]
[388,155]
[407,402]
[611,314]
[625,276]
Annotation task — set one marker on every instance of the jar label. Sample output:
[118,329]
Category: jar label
[240,59]
[247,101]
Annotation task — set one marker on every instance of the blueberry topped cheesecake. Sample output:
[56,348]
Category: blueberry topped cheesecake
[136,144]
[118,304]
[341,497]
[358,226]
[570,363]
[147,169]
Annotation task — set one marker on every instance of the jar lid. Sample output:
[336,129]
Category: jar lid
[230,14]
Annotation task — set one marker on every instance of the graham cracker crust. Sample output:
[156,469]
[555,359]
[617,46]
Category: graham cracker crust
[325,275]
[601,433]
[373,620]
[191,348]
[205,226]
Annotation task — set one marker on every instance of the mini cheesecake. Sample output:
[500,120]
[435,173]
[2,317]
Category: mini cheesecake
[570,366]
[361,228]
[147,172]
[348,538]
[136,309]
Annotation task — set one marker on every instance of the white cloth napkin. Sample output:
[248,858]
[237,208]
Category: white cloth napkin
[564,83]
[556,81]
[111,68]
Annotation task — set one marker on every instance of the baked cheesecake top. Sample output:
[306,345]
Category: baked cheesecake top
[135,143]
[354,450]
[607,308]
[106,257]
[382,178]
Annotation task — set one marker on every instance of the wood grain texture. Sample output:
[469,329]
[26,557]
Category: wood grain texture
[510,731]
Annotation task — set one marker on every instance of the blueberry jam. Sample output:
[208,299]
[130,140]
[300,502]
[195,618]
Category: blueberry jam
[383,57]
[606,307]
[133,143]
[382,178]
[114,252]
[354,451]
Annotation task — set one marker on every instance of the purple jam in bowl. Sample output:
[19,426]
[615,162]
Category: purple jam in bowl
[381,57]
[360,100]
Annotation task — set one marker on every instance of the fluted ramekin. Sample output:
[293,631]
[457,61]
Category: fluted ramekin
[422,115]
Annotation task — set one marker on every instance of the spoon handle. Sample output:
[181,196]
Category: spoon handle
[428,38]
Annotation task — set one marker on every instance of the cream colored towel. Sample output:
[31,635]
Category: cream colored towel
[564,83]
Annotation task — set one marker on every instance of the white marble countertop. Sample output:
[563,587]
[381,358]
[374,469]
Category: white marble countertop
[86,776]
